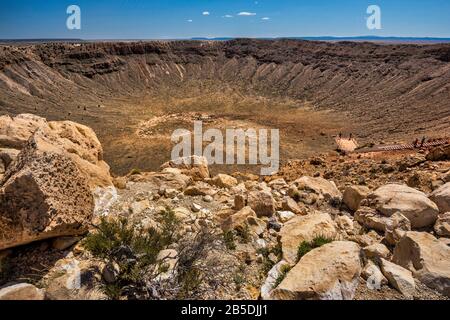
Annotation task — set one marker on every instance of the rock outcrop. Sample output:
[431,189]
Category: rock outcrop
[194,166]
[330,272]
[427,258]
[47,191]
[22,291]
[15,132]
[413,204]
[304,228]
[441,197]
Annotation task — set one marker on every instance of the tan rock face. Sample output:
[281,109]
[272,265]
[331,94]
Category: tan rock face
[427,258]
[413,204]
[439,154]
[200,188]
[304,228]
[262,203]
[15,132]
[376,250]
[289,204]
[238,219]
[330,272]
[47,190]
[442,226]
[81,144]
[371,219]
[224,181]
[400,278]
[397,228]
[441,197]
[45,196]
[324,189]
[195,167]
[354,195]
[373,275]
[22,291]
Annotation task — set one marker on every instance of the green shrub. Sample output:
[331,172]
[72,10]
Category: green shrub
[228,238]
[244,234]
[306,246]
[116,240]
[283,273]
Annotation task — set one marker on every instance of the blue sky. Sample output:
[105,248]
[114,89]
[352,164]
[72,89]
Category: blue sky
[156,19]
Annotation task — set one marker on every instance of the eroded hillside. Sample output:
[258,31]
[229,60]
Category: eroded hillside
[310,90]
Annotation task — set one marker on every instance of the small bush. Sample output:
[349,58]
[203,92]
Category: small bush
[283,273]
[228,238]
[191,272]
[244,234]
[306,246]
[133,250]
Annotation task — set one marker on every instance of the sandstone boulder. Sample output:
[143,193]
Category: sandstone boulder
[199,188]
[440,153]
[224,181]
[373,275]
[330,272]
[376,251]
[262,203]
[22,291]
[324,189]
[396,228]
[400,278]
[289,204]
[44,196]
[15,132]
[413,204]
[238,219]
[194,166]
[304,228]
[354,195]
[371,219]
[427,258]
[442,226]
[441,197]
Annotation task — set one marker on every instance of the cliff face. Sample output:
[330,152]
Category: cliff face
[391,89]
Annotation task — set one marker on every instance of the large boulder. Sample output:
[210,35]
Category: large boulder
[442,226]
[45,196]
[305,228]
[224,181]
[427,258]
[324,189]
[238,220]
[15,132]
[194,166]
[396,228]
[440,153]
[413,204]
[330,272]
[353,196]
[20,292]
[47,191]
[371,219]
[441,197]
[262,203]
[399,277]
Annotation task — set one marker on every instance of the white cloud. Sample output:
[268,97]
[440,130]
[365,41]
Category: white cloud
[265,18]
[206,13]
[244,13]
[190,20]
[228,16]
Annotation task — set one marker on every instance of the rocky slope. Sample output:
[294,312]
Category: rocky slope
[330,227]
[387,92]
